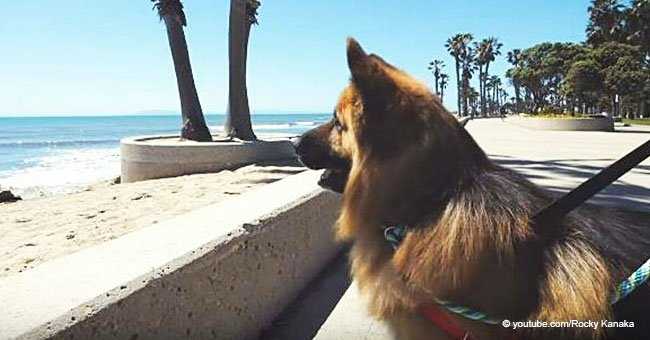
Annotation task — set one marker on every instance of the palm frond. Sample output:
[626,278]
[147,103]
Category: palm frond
[170,7]
[251,11]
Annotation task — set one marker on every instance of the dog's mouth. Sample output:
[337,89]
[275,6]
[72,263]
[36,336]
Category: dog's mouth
[334,179]
[315,153]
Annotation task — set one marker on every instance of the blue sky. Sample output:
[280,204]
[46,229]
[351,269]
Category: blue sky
[85,57]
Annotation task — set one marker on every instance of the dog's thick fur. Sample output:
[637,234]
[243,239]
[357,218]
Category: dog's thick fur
[400,158]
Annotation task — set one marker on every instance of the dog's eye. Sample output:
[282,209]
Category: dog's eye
[337,124]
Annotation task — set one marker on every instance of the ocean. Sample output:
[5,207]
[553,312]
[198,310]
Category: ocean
[41,156]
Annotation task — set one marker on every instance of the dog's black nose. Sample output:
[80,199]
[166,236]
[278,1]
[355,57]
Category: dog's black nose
[299,144]
[296,142]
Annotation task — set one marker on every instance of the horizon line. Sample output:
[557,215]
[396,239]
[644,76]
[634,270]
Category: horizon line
[151,113]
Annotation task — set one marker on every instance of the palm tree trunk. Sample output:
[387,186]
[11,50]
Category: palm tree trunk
[238,119]
[480,89]
[458,85]
[488,98]
[517,97]
[494,97]
[466,96]
[435,79]
[498,101]
[194,127]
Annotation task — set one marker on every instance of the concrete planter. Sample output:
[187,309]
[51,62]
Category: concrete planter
[149,157]
[564,124]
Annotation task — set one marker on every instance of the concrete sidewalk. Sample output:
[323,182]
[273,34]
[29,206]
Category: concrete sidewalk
[561,160]
[557,160]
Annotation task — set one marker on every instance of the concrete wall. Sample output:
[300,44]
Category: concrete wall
[223,271]
[164,156]
[563,124]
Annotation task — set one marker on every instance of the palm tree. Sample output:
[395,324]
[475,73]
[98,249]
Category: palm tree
[488,92]
[504,98]
[514,57]
[480,62]
[468,63]
[486,51]
[194,127]
[495,81]
[472,98]
[605,21]
[457,47]
[243,14]
[443,85]
[436,67]
[639,25]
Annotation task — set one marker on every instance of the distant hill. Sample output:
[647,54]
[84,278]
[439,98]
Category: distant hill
[157,113]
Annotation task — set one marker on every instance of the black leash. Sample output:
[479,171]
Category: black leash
[555,211]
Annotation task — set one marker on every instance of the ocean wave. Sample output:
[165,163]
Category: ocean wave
[63,172]
[271,126]
[75,142]
[277,126]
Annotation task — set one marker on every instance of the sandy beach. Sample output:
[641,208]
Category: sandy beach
[41,229]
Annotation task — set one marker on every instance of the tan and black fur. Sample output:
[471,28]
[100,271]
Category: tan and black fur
[399,157]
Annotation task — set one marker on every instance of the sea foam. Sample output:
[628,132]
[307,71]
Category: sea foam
[62,172]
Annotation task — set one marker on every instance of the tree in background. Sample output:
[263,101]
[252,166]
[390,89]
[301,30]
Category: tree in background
[514,58]
[243,14]
[605,22]
[493,88]
[541,69]
[444,78]
[612,65]
[172,14]
[626,78]
[639,25]
[582,85]
[486,52]
[611,21]
[468,63]
[436,68]
[458,46]
[496,91]
[563,76]
[473,100]
[504,99]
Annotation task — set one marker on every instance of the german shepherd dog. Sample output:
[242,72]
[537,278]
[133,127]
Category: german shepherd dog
[400,158]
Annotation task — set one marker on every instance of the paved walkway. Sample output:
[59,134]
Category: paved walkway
[556,160]
[561,160]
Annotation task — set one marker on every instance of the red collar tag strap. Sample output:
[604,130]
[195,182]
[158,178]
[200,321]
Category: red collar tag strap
[442,321]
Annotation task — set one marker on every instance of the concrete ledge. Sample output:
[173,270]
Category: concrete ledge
[150,157]
[223,271]
[350,320]
[563,124]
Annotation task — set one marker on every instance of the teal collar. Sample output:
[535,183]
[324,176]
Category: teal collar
[395,234]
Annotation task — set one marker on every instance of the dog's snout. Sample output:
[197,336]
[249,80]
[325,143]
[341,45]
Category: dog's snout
[311,150]
[297,142]
[304,143]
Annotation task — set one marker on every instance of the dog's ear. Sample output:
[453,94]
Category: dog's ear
[357,59]
[369,75]
[463,121]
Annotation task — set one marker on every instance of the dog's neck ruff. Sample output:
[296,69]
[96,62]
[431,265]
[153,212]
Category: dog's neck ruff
[395,234]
